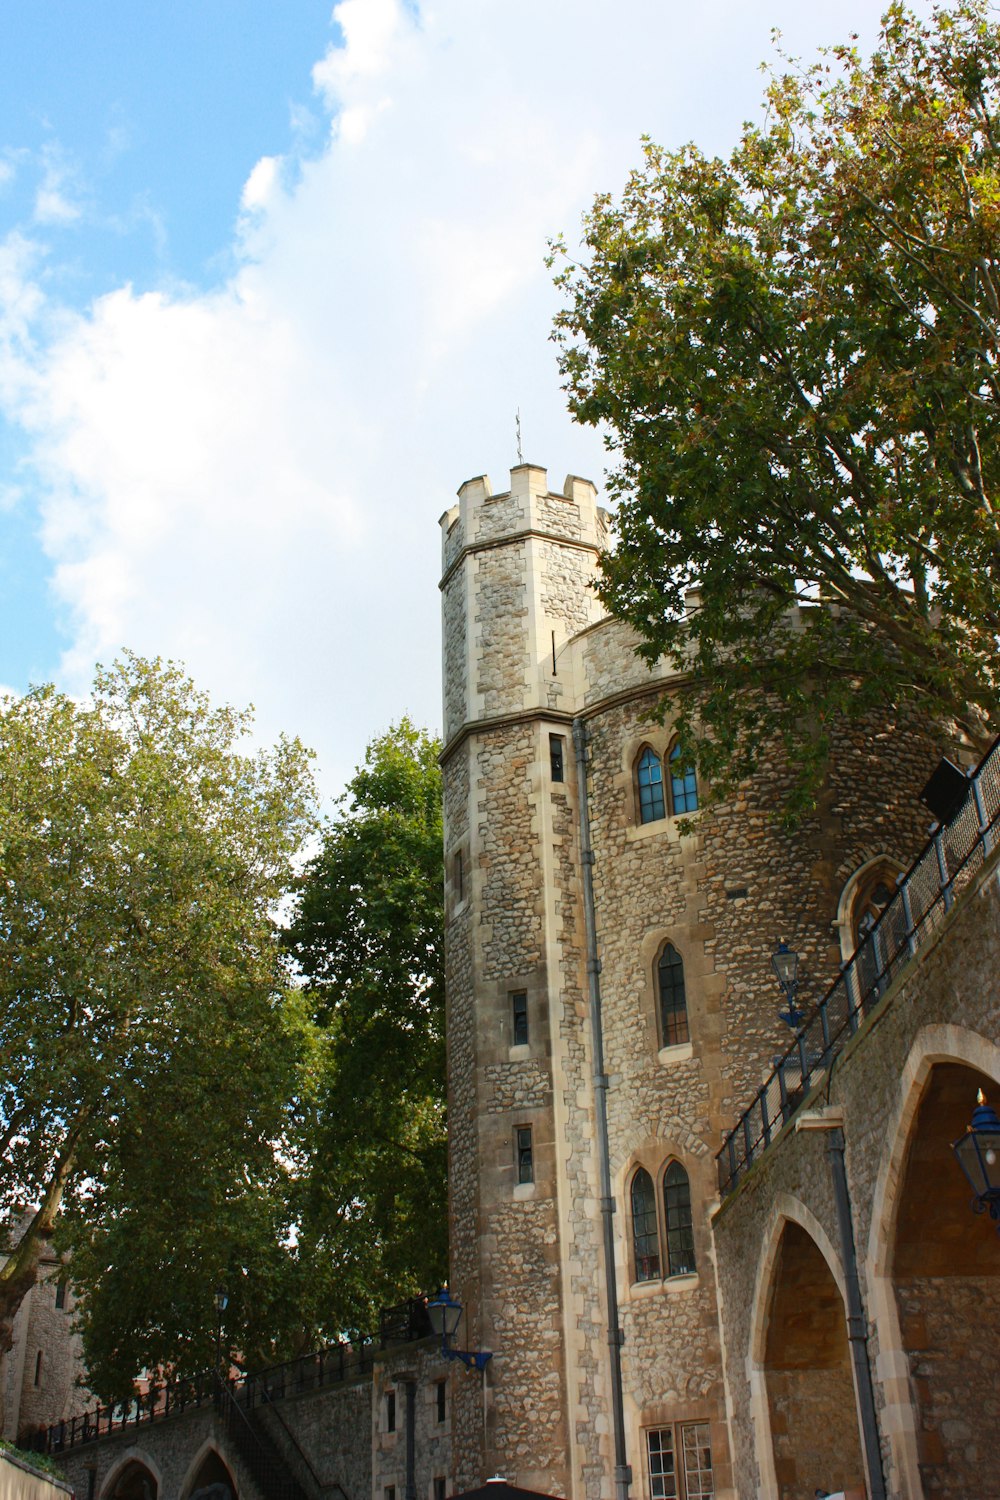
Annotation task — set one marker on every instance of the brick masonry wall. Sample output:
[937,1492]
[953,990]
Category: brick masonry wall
[949,995]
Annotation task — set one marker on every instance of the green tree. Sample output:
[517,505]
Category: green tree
[150,1044]
[367,934]
[794,352]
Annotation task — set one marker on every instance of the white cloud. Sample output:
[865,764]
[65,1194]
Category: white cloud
[249,479]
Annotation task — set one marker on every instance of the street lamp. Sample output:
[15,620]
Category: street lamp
[221,1303]
[445,1314]
[978,1154]
[785,963]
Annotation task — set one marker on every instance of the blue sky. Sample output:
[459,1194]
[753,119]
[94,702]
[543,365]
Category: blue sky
[272,286]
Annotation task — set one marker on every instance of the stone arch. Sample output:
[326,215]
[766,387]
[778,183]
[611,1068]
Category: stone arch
[945,1066]
[134,1477]
[209,1475]
[801,1379]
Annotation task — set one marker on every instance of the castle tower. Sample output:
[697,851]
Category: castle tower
[689,902]
[517,570]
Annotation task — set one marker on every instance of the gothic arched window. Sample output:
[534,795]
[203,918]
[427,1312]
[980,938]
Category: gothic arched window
[672,997]
[677,1208]
[683,785]
[645,1234]
[649,775]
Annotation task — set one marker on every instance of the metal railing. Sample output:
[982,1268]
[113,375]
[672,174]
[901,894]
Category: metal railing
[923,897]
[310,1372]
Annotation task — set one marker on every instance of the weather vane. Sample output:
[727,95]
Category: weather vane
[517,429]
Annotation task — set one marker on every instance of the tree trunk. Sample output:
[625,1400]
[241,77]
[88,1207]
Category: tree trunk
[20,1272]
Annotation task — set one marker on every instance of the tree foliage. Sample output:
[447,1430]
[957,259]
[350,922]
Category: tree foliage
[150,1045]
[367,933]
[795,354]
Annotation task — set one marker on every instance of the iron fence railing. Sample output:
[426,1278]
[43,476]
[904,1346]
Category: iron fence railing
[310,1372]
[923,897]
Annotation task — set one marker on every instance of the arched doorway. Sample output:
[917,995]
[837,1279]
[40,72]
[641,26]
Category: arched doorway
[133,1482]
[812,1410]
[945,1271]
[211,1480]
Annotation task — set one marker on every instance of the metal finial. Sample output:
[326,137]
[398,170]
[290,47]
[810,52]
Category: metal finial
[517,429]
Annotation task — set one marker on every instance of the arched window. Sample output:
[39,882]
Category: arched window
[677,1207]
[672,997]
[871,900]
[683,785]
[645,1236]
[649,774]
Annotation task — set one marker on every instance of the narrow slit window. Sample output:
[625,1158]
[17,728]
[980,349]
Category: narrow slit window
[61,1292]
[390,1411]
[38,1368]
[680,1234]
[442,1402]
[673,998]
[459,876]
[645,1238]
[556,762]
[649,775]
[439,1487]
[525,1155]
[683,785]
[519,1018]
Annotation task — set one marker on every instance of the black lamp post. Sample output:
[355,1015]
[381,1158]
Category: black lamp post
[978,1154]
[785,963]
[445,1314]
[221,1303]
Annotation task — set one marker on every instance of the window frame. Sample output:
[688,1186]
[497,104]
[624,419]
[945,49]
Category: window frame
[680,1438]
[689,774]
[641,1271]
[650,790]
[557,759]
[524,1155]
[679,1236]
[519,1013]
[669,1033]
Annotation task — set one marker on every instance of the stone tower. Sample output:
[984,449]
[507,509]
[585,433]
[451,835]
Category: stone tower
[689,902]
[517,569]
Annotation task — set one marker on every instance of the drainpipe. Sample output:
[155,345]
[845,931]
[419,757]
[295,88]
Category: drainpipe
[411,1439]
[857,1325]
[623,1473]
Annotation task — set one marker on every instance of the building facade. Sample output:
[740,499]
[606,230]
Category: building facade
[688,903]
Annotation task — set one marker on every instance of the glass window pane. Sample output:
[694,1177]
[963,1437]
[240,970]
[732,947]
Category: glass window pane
[683,785]
[699,1480]
[662,1466]
[525,1156]
[645,1239]
[519,1009]
[650,778]
[673,998]
[680,1235]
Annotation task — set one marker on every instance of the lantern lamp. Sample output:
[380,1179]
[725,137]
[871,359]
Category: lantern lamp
[978,1154]
[445,1313]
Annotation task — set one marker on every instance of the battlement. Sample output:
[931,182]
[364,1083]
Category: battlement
[528,506]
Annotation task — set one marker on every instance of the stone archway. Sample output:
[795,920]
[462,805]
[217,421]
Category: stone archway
[945,1271]
[133,1481]
[809,1385]
[210,1479]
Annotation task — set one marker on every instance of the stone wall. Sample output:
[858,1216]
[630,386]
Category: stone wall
[335,1441]
[925,1340]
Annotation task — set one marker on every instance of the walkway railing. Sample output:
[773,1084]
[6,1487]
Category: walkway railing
[328,1366]
[923,898]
